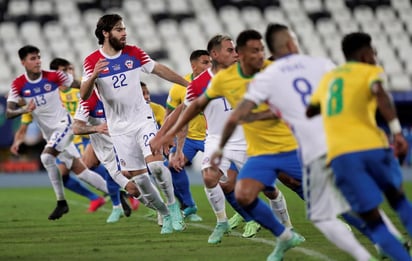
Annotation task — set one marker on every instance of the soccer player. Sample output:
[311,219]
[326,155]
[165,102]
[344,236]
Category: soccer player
[249,46]
[271,146]
[358,149]
[70,99]
[286,86]
[40,91]
[90,119]
[114,69]
[158,110]
[190,141]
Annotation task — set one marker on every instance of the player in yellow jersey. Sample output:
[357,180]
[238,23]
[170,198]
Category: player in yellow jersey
[358,150]
[158,110]
[193,140]
[232,84]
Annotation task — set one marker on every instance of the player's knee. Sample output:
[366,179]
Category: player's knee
[243,198]
[155,167]
[210,178]
[47,159]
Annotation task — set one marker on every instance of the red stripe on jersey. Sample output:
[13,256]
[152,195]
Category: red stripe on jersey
[198,86]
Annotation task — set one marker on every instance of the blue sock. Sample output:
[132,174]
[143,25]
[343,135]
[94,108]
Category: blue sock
[113,188]
[359,224]
[261,213]
[74,184]
[230,197]
[404,210]
[101,170]
[181,187]
[388,242]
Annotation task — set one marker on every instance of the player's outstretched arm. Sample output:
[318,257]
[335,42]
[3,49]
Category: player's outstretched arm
[166,73]
[243,110]
[81,128]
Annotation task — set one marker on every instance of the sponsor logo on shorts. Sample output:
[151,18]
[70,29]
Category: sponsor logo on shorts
[122,162]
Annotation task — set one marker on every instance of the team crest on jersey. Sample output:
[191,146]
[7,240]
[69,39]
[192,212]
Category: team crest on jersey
[116,67]
[47,87]
[27,92]
[122,162]
[129,64]
[37,90]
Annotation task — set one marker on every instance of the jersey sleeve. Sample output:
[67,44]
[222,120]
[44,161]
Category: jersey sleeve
[14,93]
[213,90]
[316,98]
[26,118]
[256,91]
[82,111]
[174,98]
[377,74]
[63,79]
[146,62]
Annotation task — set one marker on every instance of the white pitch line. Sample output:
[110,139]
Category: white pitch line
[303,250]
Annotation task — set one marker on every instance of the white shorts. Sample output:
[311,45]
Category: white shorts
[238,157]
[68,155]
[323,200]
[61,137]
[132,148]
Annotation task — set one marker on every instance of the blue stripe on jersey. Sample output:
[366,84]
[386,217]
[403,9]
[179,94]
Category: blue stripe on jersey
[123,63]
[33,89]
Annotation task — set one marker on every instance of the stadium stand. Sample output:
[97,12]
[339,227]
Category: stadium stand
[168,30]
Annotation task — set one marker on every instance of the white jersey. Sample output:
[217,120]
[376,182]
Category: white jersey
[119,88]
[91,111]
[216,113]
[286,85]
[49,113]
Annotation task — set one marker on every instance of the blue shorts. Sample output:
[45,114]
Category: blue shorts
[265,168]
[363,176]
[190,149]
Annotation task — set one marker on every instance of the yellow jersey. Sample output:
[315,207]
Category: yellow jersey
[197,126]
[263,137]
[348,108]
[159,113]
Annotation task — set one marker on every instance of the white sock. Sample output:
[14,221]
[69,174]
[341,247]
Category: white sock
[149,192]
[49,163]
[336,231]
[163,179]
[280,209]
[394,231]
[119,178]
[93,179]
[216,199]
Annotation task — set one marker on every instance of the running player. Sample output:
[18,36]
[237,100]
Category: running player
[358,150]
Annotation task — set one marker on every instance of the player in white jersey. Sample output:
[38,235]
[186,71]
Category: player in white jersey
[40,91]
[90,119]
[114,69]
[286,86]
[221,49]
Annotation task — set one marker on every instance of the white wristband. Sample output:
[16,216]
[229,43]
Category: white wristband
[395,126]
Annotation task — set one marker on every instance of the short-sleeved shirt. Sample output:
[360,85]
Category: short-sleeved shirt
[49,111]
[119,87]
[263,137]
[216,113]
[286,85]
[348,108]
[197,126]
[159,113]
